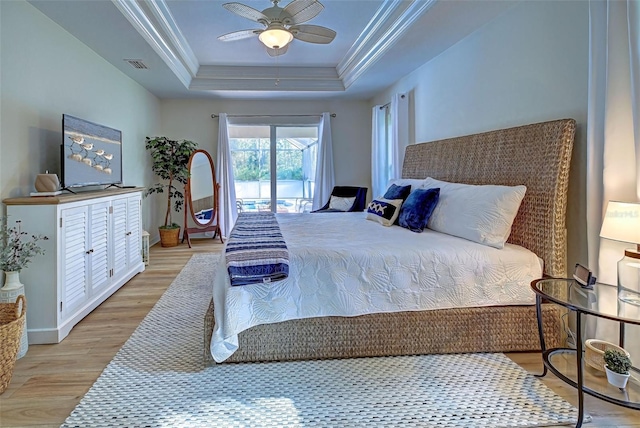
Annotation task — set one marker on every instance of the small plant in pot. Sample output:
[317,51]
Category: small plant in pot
[170,163]
[17,248]
[617,365]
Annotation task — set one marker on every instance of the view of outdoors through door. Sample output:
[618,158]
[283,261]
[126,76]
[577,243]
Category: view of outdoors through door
[290,151]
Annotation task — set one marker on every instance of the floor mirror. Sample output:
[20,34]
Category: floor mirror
[201,198]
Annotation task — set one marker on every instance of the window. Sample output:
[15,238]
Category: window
[390,136]
[382,150]
[290,151]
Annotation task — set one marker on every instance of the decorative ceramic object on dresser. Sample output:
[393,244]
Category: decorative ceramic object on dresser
[18,248]
[617,365]
[170,160]
[47,182]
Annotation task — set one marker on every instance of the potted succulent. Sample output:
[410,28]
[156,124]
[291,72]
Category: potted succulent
[170,163]
[17,248]
[617,365]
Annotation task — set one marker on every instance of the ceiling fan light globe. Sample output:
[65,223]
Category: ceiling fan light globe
[275,38]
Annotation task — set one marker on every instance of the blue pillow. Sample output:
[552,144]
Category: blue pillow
[416,210]
[397,192]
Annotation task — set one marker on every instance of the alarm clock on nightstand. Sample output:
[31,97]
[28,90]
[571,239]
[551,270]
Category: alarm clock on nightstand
[584,277]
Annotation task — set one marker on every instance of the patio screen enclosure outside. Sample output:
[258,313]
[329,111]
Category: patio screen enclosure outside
[274,167]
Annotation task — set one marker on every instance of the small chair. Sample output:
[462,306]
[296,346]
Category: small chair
[360,194]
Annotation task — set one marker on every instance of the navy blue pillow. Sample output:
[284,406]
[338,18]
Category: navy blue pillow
[397,192]
[416,210]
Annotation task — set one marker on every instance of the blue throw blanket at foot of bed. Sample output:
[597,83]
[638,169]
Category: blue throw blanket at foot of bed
[256,251]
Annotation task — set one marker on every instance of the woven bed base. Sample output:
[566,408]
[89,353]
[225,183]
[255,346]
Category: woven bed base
[445,331]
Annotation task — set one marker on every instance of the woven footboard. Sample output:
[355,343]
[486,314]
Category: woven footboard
[445,331]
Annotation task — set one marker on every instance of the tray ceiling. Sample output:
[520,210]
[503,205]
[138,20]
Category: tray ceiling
[377,42]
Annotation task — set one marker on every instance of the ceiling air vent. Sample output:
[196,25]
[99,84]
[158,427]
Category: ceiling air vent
[137,63]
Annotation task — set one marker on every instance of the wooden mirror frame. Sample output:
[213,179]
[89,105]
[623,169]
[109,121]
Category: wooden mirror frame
[213,225]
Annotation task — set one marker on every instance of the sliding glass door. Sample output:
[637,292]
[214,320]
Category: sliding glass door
[274,166]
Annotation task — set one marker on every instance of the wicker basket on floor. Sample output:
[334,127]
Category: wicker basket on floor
[12,316]
[594,352]
[169,237]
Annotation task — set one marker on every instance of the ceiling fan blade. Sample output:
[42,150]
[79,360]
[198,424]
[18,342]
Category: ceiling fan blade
[299,11]
[313,34]
[245,11]
[239,35]
[277,52]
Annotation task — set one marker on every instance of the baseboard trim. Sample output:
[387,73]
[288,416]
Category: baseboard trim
[56,335]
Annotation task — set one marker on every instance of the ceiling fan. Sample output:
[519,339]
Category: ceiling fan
[282,25]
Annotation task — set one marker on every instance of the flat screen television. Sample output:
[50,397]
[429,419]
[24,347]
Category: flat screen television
[91,153]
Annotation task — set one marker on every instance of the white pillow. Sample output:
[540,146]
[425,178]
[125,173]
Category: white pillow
[483,214]
[414,182]
[342,204]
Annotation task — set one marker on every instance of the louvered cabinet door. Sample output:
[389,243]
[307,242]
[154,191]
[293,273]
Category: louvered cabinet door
[74,259]
[119,233]
[99,234]
[134,230]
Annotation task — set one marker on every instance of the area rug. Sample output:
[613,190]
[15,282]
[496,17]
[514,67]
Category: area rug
[158,379]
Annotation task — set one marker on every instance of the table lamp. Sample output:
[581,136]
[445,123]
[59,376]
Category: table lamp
[622,223]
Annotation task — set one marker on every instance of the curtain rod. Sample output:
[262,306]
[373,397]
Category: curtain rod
[213,116]
[389,103]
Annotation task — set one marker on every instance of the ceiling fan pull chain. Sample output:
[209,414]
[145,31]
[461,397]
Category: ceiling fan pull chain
[277,71]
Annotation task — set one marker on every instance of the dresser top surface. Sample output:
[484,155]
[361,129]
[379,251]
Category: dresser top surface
[69,197]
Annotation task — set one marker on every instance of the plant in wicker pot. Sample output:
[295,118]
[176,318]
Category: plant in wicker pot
[170,163]
[617,365]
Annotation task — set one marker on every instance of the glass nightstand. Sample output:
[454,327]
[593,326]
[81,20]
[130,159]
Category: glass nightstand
[568,364]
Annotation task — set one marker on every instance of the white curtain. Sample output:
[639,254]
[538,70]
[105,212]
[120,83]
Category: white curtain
[325,177]
[399,132]
[379,152]
[613,133]
[228,210]
[389,139]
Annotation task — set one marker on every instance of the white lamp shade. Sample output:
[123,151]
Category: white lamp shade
[622,222]
[275,38]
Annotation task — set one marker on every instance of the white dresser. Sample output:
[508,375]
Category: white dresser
[94,247]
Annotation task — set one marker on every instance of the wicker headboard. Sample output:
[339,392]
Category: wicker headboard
[536,155]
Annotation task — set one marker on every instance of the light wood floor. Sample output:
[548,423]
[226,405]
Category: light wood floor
[50,380]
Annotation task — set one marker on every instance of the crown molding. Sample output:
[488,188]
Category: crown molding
[163,15]
[266,72]
[376,25]
[159,41]
[298,85]
[247,78]
[391,22]
[154,21]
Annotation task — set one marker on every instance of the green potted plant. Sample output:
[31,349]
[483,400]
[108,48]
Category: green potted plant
[617,365]
[17,248]
[170,163]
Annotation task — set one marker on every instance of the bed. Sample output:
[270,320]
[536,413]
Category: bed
[535,155]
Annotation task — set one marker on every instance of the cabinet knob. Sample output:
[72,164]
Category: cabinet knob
[128,233]
[89,251]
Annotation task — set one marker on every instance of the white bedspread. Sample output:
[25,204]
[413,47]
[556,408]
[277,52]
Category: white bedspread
[345,265]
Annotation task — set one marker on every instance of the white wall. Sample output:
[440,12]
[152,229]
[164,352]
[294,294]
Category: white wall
[47,72]
[528,65]
[350,129]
